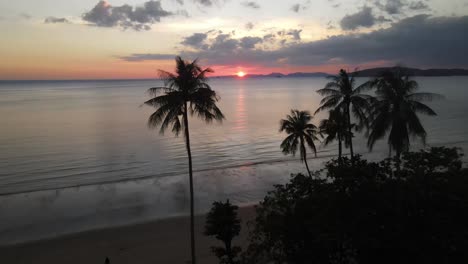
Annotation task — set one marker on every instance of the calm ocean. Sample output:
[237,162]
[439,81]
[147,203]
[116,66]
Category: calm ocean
[77,155]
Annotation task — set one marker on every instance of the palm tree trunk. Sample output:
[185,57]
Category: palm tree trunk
[307,166]
[304,157]
[227,244]
[350,134]
[192,216]
[340,148]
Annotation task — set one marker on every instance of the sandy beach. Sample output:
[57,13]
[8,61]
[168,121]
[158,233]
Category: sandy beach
[161,241]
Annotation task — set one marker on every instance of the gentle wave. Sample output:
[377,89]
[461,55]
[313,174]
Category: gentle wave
[117,179]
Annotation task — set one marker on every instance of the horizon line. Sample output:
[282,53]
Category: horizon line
[247,75]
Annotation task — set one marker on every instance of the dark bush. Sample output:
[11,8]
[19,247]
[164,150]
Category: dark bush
[412,210]
[223,223]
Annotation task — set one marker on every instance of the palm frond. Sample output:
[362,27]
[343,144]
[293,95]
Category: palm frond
[155,91]
[328,90]
[161,114]
[332,103]
[379,126]
[187,86]
[333,97]
[425,96]
[172,117]
[421,108]
[311,144]
[289,144]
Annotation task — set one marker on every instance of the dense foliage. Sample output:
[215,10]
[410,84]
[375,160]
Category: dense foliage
[223,223]
[408,210]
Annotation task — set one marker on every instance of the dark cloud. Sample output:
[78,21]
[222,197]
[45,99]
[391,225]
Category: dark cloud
[224,43]
[295,33]
[300,7]
[334,5]
[250,42]
[418,5]
[382,19]
[55,20]
[249,26]
[363,18]
[196,40]
[419,41]
[251,4]
[391,7]
[269,37]
[400,7]
[296,8]
[221,42]
[125,16]
[204,2]
[330,25]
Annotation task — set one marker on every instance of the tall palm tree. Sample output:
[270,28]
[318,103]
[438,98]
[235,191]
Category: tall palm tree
[341,92]
[184,93]
[300,132]
[396,109]
[335,129]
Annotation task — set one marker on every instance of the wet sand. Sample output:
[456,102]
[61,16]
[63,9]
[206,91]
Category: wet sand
[161,241]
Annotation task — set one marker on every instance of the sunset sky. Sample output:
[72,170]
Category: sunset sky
[90,39]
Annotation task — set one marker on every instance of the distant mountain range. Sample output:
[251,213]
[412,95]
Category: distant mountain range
[414,72]
[362,73]
[279,75]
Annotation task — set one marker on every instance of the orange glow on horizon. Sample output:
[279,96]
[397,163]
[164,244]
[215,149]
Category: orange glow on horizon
[88,68]
[240,74]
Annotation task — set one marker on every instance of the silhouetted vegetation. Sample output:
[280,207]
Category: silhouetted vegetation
[186,92]
[342,96]
[300,132]
[412,210]
[223,223]
[335,129]
[396,110]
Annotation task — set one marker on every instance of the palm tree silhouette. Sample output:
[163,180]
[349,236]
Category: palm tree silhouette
[396,109]
[299,131]
[184,93]
[335,129]
[341,93]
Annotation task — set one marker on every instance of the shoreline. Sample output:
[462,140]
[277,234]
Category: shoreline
[159,241]
[174,174]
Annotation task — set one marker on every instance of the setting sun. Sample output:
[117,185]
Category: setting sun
[241,74]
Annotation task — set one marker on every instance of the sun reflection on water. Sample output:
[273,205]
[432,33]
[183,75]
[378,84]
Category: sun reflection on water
[240,123]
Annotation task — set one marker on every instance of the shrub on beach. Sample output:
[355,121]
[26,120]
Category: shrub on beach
[223,223]
[408,210]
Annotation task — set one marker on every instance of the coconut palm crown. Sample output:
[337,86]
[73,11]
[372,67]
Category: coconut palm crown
[300,132]
[341,92]
[184,93]
[396,110]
